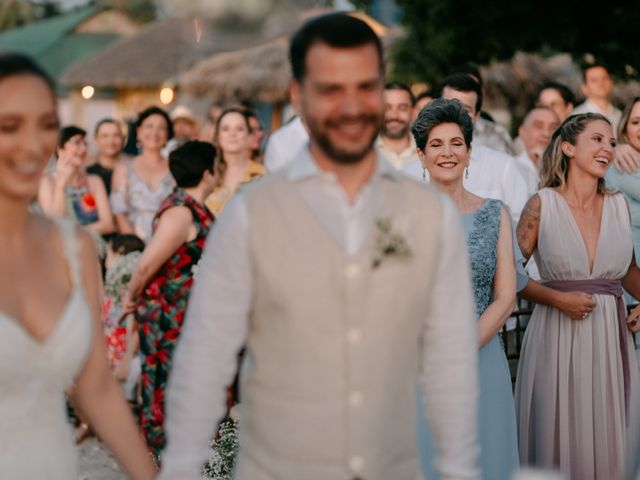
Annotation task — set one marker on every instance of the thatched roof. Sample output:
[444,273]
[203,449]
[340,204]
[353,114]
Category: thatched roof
[259,73]
[159,52]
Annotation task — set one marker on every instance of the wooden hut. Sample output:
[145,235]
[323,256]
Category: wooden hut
[137,70]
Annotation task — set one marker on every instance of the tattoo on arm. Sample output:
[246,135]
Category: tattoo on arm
[527,231]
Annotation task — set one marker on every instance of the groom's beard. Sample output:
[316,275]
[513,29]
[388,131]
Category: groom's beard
[361,132]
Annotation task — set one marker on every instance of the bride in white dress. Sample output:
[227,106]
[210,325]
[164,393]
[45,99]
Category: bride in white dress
[50,337]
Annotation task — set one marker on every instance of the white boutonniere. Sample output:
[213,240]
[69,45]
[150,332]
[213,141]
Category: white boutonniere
[389,244]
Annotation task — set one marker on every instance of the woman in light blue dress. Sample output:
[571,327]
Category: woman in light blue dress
[443,133]
[629,184]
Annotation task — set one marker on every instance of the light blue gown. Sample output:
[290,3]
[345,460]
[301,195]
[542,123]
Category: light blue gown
[496,415]
[629,185]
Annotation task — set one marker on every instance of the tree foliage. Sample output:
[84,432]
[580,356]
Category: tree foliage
[363,5]
[142,11]
[15,13]
[441,34]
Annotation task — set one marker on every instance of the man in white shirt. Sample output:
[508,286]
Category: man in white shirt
[535,132]
[395,142]
[349,284]
[284,143]
[491,174]
[597,87]
[485,130]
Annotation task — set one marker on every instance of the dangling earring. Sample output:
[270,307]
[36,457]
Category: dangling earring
[466,173]
[424,174]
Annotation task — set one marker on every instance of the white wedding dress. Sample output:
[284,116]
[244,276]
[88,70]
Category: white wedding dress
[36,439]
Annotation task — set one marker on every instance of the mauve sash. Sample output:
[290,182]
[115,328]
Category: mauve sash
[605,287]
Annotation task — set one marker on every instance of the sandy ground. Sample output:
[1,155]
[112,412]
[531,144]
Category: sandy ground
[96,463]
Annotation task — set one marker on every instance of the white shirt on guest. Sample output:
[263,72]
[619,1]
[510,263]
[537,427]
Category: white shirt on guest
[531,176]
[284,144]
[398,160]
[492,174]
[492,135]
[613,114]
[217,322]
[529,171]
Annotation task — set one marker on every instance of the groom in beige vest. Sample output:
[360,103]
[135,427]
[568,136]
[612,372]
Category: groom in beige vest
[349,285]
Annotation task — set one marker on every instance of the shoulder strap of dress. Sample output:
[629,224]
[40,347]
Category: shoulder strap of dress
[494,204]
[489,217]
[71,246]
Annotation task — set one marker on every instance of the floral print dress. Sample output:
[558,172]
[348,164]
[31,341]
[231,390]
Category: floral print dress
[81,204]
[116,325]
[160,315]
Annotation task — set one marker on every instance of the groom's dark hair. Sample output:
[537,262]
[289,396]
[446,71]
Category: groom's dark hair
[339,30]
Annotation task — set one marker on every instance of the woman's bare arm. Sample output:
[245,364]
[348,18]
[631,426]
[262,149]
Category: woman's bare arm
[98,394]
[119,188]
[504,285]
[527,230]
[174,228]
[105,222]
[51,196]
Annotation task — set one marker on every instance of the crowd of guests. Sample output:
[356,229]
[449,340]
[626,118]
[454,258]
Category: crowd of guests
[551,216]
[153,211]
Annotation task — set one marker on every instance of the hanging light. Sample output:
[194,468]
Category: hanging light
[166,95]
[87,92]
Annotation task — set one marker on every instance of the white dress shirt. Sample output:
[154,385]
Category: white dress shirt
[398,160]
[217,323]
[492,135]
[529,172]
[492,174]
[613,114]
[284,144]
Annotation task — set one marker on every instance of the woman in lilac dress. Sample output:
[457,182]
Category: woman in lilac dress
[577,390]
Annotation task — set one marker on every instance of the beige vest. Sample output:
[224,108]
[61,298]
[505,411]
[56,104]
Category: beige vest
[329,386]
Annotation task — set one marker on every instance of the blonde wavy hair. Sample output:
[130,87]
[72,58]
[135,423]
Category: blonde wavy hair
[555,163]
[624,121]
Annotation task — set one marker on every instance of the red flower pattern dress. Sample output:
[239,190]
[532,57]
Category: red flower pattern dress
[160,314]
[81,204]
